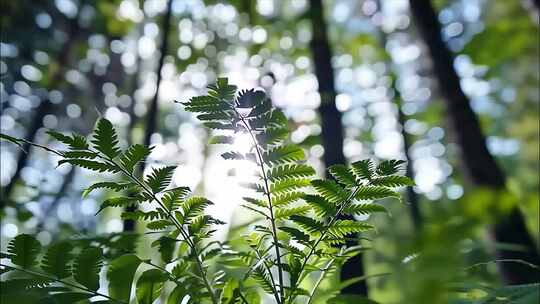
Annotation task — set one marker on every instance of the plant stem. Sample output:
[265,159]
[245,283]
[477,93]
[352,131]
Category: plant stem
[270,207]
[319,240]
[184,234]
[321,277]
[36,273]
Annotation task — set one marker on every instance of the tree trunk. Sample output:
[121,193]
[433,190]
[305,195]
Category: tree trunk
[332,129]
[44,108]
[151,117]
[479,163]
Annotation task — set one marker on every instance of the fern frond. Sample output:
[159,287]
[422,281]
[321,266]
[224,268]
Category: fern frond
[57,260]
[330,190]
[105,139]
[23,250]
[283,154]
[343,175]
[288,185]
[308,224]
[90,165]
[284,213]
[221,139]
[108,185]
[389,167]
[80,154]
[363,169]
[160,178]
[286,198]
[321,206]
[133,155]
[87,266]
[174,198]
[290,171]
[119,202]
[363,209]
[193,206]
[260,275]
[374,192]
[159,225]
[75,142]
[392,181]
[341,228]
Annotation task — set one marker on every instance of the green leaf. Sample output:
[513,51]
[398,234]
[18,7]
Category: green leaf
[389,167]
[80,154]
[149,286]
[120,276]
[194,206]
[87,266]
[105,139]
[71,297]
[56,260]
[290,171]
[260,275]
[321,206]
[174,198]
[23,250]
[296,234]
[177,295]
[90,165]
[286,198]
[363,169]
[133,155]
[343,175]
[159,224]
[75,142]
[283,213]
[166,247]
[283,154]
[330,190]
[392,181]
[107,185]
[288,185]
[119,202]
[374,192]
[307,223]
[160,178]
[364,209]
[342,228]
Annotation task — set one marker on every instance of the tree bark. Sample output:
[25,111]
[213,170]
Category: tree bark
[151,117]
[331,125]
[479,163]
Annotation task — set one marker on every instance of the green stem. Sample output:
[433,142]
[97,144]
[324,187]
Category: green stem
[319,240]
[321,278]
[270,207]
[39,274]
[184,234]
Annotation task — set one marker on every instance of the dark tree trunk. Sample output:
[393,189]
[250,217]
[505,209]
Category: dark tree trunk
[480,164]
[151,116]
[44,108]
[412,197]
[332,129]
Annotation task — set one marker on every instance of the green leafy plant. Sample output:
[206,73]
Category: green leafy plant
[297,233]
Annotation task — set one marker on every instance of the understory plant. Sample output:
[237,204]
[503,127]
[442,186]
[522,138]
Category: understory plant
[295,242]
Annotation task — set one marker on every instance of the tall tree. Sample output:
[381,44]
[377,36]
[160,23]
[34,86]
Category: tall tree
[331,125]
[479,163]
[153,111]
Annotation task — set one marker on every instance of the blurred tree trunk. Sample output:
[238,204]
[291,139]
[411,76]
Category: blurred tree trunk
[331,125]
[412,197]
[153,111]
[68,179]
[56,76]
[480,164]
